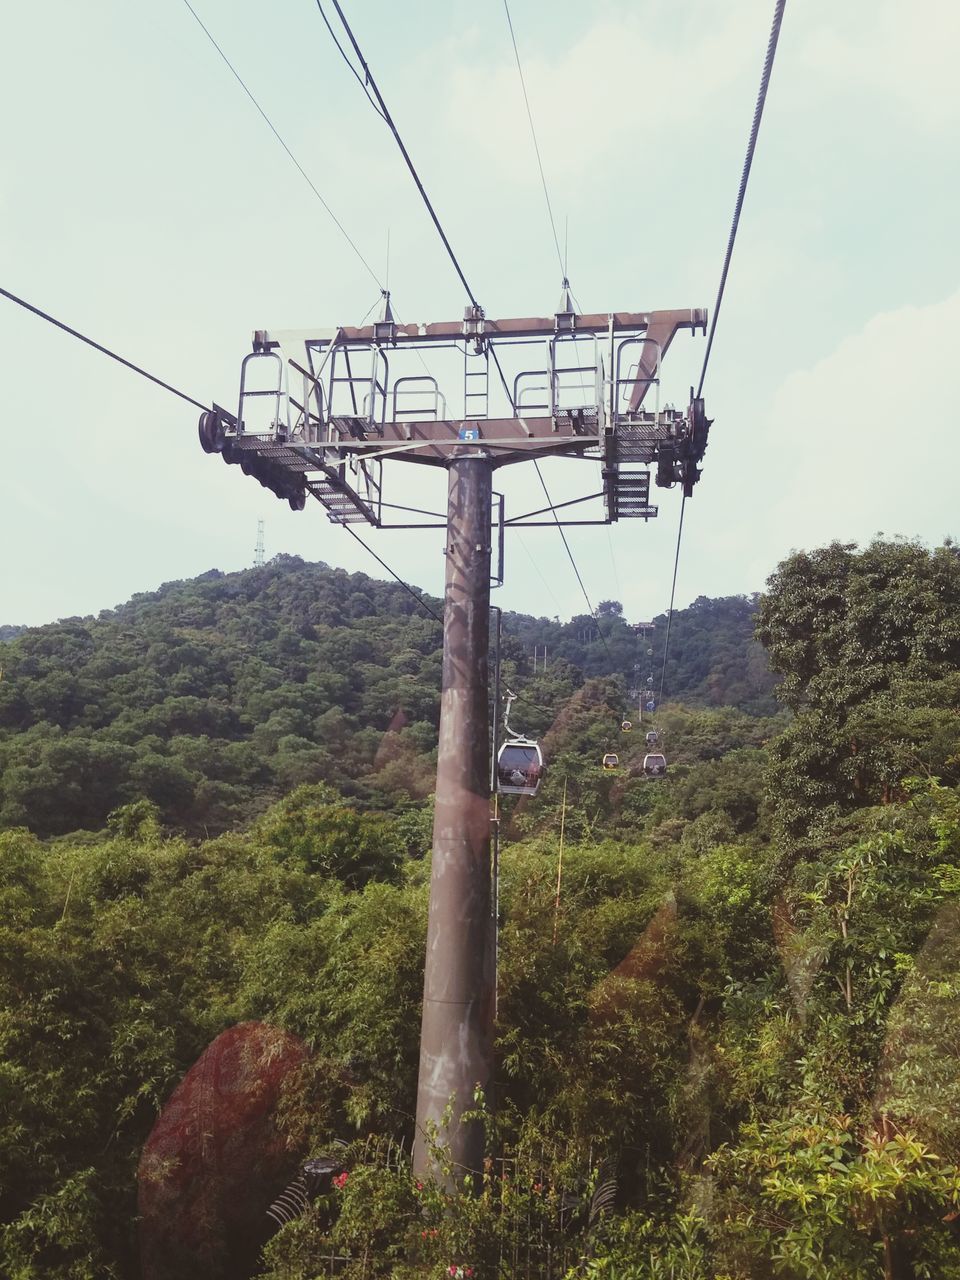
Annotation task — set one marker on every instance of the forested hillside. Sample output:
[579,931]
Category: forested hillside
[727,1018]
[213,697]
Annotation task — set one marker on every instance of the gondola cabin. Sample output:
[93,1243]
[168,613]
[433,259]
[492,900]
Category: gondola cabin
[611,760]
[654,764]
[652,738]
[651,705]
[626,726]
[519,767]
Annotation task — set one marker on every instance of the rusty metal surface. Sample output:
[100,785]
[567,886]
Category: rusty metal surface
[692,318]
[457,1025]
[215,1160]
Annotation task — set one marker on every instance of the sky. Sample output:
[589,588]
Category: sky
[145,202]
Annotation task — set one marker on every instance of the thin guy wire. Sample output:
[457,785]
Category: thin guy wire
[190,400]
[748,161]
[403,151]
[536,145]
[613,562]
[273,129]
[536,566]
[520,698]
[563,536]
[409,590]
[75,333]
[566,544]
[343,54]
[436,222]
[673,592]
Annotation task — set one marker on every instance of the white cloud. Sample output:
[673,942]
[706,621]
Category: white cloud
[868,436]
[906,53]
[608,101]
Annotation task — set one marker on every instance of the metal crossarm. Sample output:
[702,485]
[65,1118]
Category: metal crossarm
[322,410]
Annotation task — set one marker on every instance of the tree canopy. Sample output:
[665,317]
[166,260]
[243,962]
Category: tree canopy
[726,1025]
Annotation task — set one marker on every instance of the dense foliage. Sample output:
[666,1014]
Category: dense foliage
[734,1026]
[214,697]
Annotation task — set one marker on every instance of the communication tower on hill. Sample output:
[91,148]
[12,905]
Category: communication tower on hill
[258,551]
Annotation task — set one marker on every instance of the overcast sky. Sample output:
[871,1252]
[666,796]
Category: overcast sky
[145,202]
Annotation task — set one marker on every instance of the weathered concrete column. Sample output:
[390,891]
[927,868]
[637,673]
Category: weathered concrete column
[456,1039]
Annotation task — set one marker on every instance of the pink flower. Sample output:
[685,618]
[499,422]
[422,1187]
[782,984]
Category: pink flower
[451,1271]
[340,1180]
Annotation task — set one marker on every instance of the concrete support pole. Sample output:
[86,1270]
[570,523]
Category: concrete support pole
[456,1039]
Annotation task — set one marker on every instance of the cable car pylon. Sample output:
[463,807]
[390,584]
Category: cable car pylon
[326,413]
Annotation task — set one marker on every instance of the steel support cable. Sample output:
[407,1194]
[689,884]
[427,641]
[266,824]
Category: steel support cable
[75,333]
[536,705]
[406,586]
[536,145]
[459,270]
[276,133]
[353,70]
[748,162]
[403,151]
[97,346]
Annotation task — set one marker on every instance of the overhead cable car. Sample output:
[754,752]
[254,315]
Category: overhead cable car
[611,760]
[519,760]
[626,726]
[652,738]
[655,764]
[651,705]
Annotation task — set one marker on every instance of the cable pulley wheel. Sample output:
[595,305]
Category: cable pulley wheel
[211,431]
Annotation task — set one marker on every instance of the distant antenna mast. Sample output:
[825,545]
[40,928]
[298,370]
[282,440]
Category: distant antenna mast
[258,556]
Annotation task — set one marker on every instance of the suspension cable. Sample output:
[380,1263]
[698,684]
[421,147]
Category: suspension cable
[385,111]
[406,586]
[276,133]
[536,145]
[566,545]
[403,151]
[748,161]
[97,346]
[353,70]
[673,592]
[774,37]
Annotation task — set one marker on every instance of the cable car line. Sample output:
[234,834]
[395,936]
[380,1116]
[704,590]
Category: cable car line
[748,161]
[276,133]
[536,145]
[98,346]
[772,42]
[388,118]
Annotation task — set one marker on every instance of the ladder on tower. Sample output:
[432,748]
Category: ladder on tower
[476,384]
